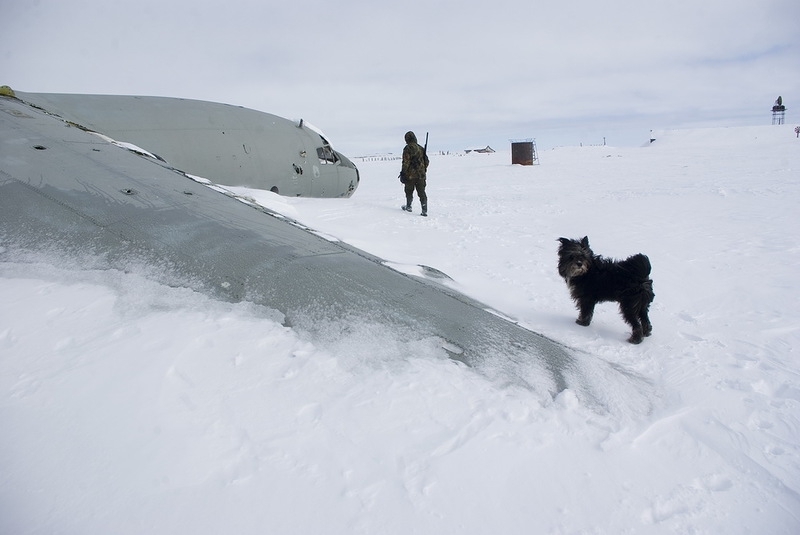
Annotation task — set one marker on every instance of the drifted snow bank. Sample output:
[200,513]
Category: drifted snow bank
[130,407]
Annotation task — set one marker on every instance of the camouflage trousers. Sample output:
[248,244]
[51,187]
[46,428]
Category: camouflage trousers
[419,185]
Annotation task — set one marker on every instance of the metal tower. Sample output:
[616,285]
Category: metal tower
[778,111]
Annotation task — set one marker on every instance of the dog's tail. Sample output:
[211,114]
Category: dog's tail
[638,266]
[647,290]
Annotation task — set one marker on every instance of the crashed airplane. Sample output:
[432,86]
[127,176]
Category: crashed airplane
[67,191]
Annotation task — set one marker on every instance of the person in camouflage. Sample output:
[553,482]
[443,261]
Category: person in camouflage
[414,172]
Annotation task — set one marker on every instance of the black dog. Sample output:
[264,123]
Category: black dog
[592,279]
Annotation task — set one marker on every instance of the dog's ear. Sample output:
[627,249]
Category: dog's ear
[563,241]
[585,241]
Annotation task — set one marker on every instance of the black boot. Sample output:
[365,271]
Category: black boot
[425,209]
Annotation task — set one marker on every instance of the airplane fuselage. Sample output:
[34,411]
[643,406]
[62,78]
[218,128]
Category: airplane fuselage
[226,144]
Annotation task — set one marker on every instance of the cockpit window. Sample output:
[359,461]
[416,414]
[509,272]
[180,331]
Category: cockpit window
[326,155]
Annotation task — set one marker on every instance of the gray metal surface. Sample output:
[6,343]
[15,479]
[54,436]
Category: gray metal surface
[65,190]
[230,145]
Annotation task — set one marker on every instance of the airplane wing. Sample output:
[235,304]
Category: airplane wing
[68,191]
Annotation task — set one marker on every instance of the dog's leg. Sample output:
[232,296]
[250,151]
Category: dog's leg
[586,309]
[647,327]
[629,313]
[636,336]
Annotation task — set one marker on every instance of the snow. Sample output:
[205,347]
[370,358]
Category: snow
[132,407]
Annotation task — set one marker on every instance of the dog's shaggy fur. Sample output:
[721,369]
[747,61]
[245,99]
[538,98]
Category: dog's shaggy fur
[592,279]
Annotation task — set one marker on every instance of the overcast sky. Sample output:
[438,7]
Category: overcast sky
[471,73]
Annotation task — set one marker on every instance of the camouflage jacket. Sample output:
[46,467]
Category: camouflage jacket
[415,161]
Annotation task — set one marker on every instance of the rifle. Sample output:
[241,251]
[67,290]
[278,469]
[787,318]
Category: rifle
[425,152]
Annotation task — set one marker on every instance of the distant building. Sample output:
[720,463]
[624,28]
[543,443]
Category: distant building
[486,150]
[523,152]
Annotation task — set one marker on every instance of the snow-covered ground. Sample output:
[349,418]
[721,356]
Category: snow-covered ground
[129,407]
